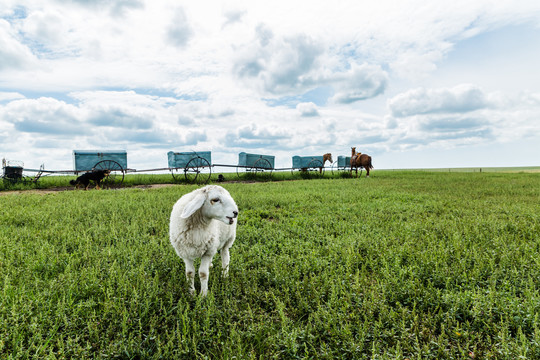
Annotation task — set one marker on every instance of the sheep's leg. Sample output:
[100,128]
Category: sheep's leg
[190,275]
[225,257]
[204,273]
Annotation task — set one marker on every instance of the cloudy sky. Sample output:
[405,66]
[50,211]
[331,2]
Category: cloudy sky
[412,83]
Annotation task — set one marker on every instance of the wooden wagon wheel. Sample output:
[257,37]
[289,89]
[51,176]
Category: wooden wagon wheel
[198,170]
[334,168]
[342,171]
[311,170]
[10,180]
[261,167]
[177,173]
[116,177]
[240,170]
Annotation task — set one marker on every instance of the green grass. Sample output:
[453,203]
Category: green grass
[142,179]
[404,265]
[131,179]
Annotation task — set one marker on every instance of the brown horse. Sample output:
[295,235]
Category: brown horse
[326,157]
[359,160]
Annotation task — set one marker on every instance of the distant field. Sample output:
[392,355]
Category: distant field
[403,265]
[135,179]
[522,169]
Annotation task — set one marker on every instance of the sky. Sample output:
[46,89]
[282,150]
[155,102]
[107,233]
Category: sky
[414,84]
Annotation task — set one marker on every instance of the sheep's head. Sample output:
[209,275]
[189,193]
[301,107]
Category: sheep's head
[215,203]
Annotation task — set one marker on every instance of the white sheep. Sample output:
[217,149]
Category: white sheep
[203,223]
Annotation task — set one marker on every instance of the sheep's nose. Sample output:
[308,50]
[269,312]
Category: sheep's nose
[235,213]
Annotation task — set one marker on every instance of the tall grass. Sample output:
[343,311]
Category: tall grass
[403,265]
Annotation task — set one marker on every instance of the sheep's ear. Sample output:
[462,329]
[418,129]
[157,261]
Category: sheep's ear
[195,204]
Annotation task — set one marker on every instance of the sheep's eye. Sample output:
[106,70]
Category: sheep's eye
[215,200]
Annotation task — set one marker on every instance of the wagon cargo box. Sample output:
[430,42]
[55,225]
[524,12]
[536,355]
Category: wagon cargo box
[85,160]
[302,162]
[256,160]
[344,161]
[193,158]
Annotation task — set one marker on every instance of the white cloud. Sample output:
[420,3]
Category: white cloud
[307,109]
[10,96]
[116,7]
[121,117]
[459,99]
[13,54]
[361,82]
[185,120]
[279,65]
[232,17]
[150,138]
[46,27]
[179,31]
[254,136]
[43,116]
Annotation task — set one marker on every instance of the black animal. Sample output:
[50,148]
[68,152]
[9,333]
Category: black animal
[95,175]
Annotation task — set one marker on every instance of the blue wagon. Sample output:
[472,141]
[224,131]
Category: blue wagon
[255,163]
[113,160]
[342,164]
[193,166]
[310,165]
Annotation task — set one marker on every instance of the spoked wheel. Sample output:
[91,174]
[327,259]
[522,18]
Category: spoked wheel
[177,174]
[115,178]
[198,170]
[12,180]
[334,168]
[342,171]
[315,169]
[261,168]
[360,169]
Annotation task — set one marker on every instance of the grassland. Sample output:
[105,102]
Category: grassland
[61,182]
[404,265]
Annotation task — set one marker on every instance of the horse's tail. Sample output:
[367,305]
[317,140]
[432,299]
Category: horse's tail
[370,166]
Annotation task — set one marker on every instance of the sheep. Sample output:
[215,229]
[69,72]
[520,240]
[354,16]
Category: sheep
[203,223]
